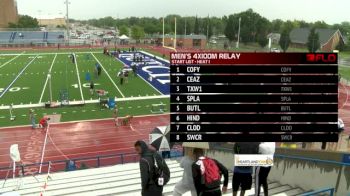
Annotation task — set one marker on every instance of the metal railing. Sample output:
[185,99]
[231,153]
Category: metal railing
[90,162]
[326,190]
[311,159]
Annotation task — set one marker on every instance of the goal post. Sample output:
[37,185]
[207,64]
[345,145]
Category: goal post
[174,40]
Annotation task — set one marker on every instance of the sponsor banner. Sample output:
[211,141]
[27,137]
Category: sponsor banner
[253,160]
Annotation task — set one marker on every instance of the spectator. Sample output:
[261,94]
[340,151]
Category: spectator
[147,169]
[242,175]
[126,75]
[166,154]
[32,118]
[115,116]
[207,175]
[44,122]
[134,69]
[92,87]
[121,76]
[186,183]
[262,172]
[71,166]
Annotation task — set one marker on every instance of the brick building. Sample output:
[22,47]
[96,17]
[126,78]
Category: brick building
[52,21]
[182,41]
[8,12]
[329,38]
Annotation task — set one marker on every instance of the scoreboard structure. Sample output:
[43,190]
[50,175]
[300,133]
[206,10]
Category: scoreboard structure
[261,97]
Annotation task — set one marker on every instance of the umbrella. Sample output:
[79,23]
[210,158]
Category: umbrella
[159,138]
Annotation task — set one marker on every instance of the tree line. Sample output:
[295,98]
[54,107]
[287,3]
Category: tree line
[253,26]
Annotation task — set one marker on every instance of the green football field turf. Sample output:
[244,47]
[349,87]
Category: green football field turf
[32,85]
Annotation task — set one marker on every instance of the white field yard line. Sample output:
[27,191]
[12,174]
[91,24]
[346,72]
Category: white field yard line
[46,53]
[19,74]
[144,80]
[38,105]
[115,85]
[47,79]
[76,66]
[11,60]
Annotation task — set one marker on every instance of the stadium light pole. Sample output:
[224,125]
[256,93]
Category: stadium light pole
[67,10]
[239,31]
[39,12]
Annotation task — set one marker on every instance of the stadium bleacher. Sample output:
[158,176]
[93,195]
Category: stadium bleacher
[114,180]
[31,37]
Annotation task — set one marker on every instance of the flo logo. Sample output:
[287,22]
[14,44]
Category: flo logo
[324,58]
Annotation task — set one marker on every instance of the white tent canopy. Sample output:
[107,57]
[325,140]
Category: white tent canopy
[124,37]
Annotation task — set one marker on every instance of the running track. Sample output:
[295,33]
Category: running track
[76,140]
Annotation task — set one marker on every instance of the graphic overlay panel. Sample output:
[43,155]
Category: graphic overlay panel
[280,97]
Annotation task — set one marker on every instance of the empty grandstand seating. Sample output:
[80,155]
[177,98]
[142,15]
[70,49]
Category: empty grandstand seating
[31,37]
[114,180]
[55,37]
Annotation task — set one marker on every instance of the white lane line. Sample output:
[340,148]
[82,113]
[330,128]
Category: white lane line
[47,79]
[108,76]
[44,147]
[11,60]
[20,73]
[76,66]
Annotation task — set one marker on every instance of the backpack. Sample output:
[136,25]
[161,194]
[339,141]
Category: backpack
[161,170]
[212,175]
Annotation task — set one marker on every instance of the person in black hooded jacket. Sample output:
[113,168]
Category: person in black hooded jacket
[149,187]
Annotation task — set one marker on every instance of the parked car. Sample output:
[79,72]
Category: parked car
[275,50]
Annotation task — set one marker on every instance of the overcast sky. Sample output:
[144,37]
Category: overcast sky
[330,11]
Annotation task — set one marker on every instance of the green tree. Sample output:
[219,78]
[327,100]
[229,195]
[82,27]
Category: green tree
[340,46]
[25,21]
[276,25]
[124,30]
[230,30]
[313,41]
[137,33]
[320,25]
[196,26]
[262,40]
[284,40]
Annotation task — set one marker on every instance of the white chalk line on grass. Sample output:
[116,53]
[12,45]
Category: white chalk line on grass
[76,66]
[46,53]
[19,74]
[115,85]
[37,105]
[18,55]
[47,79]
[44,147]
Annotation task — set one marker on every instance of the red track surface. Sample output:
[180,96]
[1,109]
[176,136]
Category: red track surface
[344,106]
[76,140]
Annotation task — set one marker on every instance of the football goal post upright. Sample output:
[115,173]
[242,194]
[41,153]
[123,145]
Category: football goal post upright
[171,46]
